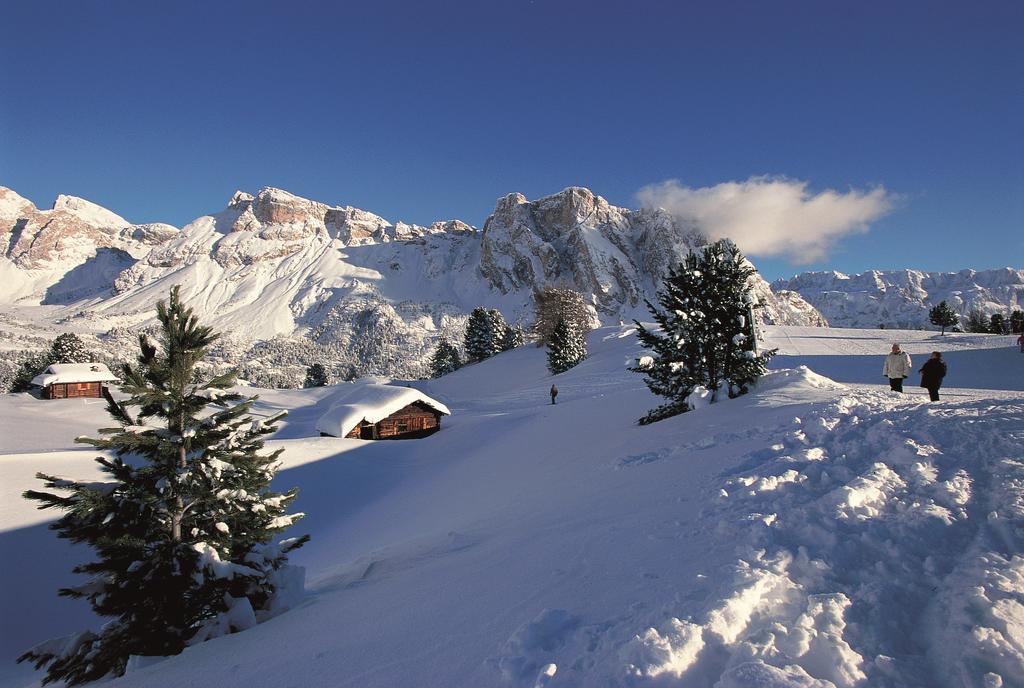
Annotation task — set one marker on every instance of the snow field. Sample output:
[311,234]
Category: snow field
[808,534]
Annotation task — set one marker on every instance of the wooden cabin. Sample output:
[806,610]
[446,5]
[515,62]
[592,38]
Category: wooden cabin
[73,380]
[382,412]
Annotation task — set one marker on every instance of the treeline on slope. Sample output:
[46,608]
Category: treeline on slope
[561,321]
[974,321]
[997,323]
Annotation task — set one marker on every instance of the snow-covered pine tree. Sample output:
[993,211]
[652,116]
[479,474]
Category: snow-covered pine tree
[480,341]
[69,348]
[943,316]
[514,337]
[567,347]
[32,364]
[445,360]
[316,376]
[997,324]
[182,529]
[499,327]
[705,337]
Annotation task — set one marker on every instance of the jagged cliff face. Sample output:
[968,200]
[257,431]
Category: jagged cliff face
[576,239]
[902,298]
[615,256]
[277,265]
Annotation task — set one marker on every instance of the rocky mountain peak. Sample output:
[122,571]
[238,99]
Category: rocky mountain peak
[240,201]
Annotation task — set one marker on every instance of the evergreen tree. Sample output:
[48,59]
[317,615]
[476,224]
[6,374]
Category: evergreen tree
[977,322]
[567,347]
[316,376]
[481,341]
[499,328]
[1017,322]
[943,316]
[33,364]
[69,348]
[182,528]
[553,304]
[705,336]
[997,324]
[445,360]
[514,337]
[351,374]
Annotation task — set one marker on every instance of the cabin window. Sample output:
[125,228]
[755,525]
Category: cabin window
[401,426]
[366,432]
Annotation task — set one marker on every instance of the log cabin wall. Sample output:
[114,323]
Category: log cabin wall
[415,420]
[72,390]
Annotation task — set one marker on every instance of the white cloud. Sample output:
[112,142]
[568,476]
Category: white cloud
[771,216]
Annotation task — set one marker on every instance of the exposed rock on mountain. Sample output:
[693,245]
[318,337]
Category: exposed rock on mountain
[902,298]
[371,293]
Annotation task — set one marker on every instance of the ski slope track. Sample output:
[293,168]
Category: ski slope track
[813,533]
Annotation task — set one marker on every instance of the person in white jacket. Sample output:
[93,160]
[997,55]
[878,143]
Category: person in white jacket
[897,366]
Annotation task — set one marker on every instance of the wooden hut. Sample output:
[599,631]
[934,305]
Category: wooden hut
[71,380]
[382,412]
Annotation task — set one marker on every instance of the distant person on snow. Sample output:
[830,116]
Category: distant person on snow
[554,393]
[897,366]
[932,372]
[1020,340]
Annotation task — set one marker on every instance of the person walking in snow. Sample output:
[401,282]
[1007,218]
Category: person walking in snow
[897,366]
[554,393]
[932,372]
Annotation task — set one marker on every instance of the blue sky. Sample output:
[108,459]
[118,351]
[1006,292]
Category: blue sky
[429,110]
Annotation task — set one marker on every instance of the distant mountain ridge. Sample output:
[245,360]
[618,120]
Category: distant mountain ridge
[902,298]
[377,295]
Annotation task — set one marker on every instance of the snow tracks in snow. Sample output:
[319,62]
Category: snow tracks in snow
[882,546]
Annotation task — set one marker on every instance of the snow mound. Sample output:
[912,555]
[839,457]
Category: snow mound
[799,376]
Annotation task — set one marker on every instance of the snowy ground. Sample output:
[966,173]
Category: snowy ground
[810,534]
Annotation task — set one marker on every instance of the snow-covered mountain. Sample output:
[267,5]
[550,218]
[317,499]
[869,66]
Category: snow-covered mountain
[901,298]
[338,283]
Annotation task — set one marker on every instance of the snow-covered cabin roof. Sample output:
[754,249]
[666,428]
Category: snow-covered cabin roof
[60,373]
[372,403]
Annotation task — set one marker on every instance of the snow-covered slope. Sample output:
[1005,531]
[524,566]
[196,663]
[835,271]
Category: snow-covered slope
[359,289]
[901,298]
[808,534]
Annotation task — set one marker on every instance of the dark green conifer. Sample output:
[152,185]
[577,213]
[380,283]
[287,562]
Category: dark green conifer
[183,524]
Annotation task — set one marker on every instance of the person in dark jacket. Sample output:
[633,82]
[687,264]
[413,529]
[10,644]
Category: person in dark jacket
[554,393]
[932,373]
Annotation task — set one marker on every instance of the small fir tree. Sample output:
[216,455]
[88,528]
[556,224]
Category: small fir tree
[316,376]
[445,360]
[182,529]
[997,324]
[481,340]
[705,335]
[1017,322]
[943,316]
[69,348]
[567,347]
[514,337]
[977,322]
